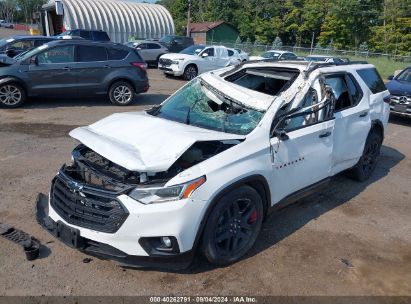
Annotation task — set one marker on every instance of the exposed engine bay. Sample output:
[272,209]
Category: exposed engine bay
[91,168]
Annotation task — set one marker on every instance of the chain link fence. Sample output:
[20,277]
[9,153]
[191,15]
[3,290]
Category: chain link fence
[256,49]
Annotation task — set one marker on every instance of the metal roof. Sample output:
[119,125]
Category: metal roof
[120,19]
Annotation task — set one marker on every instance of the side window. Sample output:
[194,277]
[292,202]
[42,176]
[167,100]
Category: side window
[116,54]
[87,53]
[230,53]
[62,54]
[209,51]
[312,109]
[21,45]
[354,90]
[39,42]
[372,79]
[153,46]
[142,46]
[86,35]
[291,56]
[100,36]
[340,90]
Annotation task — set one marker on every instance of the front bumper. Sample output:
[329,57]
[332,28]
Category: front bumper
[73,237]
[173,69]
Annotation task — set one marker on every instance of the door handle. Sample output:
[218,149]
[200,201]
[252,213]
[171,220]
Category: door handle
[66,69]
[325,134]
[107,67]
[364,114]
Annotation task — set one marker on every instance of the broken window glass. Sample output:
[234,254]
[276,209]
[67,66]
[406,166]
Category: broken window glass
[199,104]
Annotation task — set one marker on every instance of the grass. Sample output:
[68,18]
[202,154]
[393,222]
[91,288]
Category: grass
[384,65]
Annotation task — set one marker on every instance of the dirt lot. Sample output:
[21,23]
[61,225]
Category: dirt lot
[352,239]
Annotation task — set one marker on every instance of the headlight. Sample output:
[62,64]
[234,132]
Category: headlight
[166,194]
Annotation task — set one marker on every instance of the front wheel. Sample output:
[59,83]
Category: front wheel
[12,95]
[121,93]
[233,226]
[190,72]
[368,161]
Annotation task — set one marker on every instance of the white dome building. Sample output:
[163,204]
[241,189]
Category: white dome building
[121,19]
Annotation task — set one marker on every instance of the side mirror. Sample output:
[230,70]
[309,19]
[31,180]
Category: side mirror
[10,52]
[204,55]
[391,77]
[138,48]
[34,60]
[281,134]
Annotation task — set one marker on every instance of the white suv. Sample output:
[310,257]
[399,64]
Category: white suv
[202,170]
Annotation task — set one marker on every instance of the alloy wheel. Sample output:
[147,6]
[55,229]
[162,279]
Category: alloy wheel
[191,73]
[10,95]
[122,94]
[235,227]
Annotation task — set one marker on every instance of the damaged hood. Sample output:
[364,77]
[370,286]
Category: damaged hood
[138,141]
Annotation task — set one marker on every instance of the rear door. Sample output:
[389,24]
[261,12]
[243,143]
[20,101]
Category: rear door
[92,69]
[54,73]
[352,120]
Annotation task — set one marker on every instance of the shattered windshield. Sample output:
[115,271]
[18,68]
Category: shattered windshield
[199,104]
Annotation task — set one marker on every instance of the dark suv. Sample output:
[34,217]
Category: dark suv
[72,68]
[14,45]
[95,35]
[175,44]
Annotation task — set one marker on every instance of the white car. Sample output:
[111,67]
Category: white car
[275,55]
[204,168]
[196,60]
[243,55]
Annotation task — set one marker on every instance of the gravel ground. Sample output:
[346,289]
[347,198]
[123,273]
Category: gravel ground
[351,239]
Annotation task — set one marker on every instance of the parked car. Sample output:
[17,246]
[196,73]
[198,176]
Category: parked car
[203,169]
[72,68]
[175,44]
[14,45]
[324,58]
[150,51]
[243,55]
[6,24]
[95,35]
[275,55]
[196,60]
[400,89]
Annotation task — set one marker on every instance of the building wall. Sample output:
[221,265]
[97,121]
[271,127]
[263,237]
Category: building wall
[121,19]
[199,38]
[222,33]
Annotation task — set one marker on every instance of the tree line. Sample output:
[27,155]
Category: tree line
[369,25]
[20,10]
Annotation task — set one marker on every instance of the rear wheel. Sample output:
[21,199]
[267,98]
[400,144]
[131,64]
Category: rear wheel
[190,72]
[12,95]
[121,93]
[368,161]
[233,226]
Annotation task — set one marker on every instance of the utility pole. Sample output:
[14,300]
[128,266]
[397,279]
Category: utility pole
[312,44]
[188,18]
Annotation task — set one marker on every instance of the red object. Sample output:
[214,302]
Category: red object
[253,217]
[140,65]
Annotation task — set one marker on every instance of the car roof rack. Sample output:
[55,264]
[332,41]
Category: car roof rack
[331,64]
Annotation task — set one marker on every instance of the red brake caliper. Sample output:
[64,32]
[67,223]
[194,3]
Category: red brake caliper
[253,217]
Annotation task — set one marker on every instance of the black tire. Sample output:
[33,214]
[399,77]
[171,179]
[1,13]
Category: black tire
[233,226]
[368,161]
[121,93]
[12,95]
[190,72]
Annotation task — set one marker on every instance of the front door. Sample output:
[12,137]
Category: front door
[209,62]
[302,157]
[53,73]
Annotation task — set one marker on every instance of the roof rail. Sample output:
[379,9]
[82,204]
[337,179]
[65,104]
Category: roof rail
[330,64]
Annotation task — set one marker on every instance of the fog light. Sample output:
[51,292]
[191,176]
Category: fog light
[166,241]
